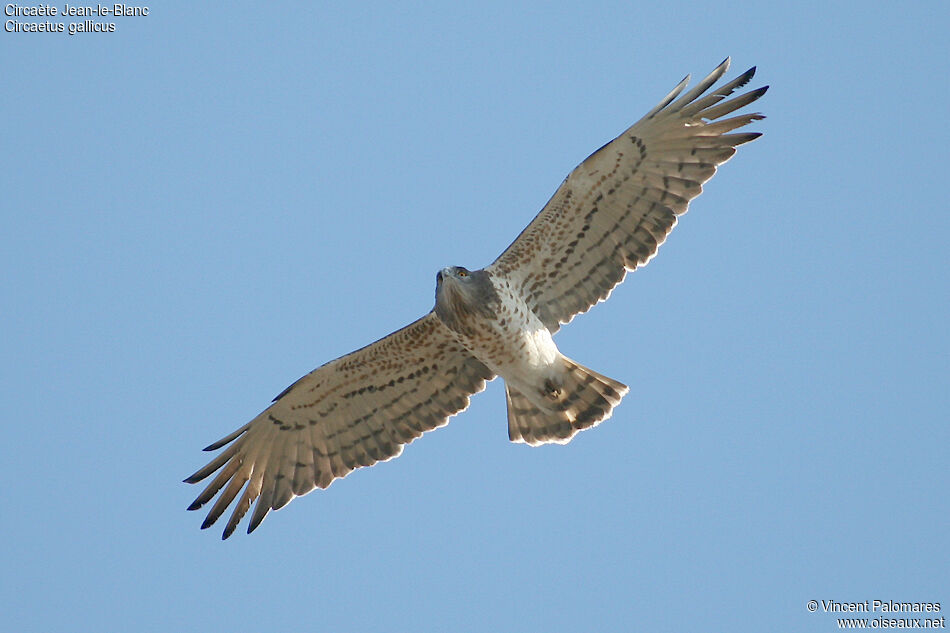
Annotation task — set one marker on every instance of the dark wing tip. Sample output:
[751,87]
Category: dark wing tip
[745,77]
[741,139]
[227,439]
[196,504]
[198,475]
[258,517]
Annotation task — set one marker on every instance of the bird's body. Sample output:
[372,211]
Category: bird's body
[607,218]
[507,337]
[495,324]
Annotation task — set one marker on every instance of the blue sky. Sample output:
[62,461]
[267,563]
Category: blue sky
[213,200]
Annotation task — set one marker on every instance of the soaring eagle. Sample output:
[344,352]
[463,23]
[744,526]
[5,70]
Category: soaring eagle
[607,218]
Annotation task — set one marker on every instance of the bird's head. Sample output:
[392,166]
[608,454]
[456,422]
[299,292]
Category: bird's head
[457,273]
[459,290]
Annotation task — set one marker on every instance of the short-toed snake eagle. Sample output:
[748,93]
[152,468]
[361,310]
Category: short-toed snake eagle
[607,218]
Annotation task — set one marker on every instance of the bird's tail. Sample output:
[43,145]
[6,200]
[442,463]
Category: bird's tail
[584,399]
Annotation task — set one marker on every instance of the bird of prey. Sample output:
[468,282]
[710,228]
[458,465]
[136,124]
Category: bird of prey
[607,218]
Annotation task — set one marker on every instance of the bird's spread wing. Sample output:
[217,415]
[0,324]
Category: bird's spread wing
[614,210]
[354,411]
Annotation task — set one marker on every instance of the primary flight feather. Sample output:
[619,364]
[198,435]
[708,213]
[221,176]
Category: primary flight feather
[607,218]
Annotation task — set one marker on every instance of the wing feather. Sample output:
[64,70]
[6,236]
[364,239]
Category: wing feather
[697,91]
[250,493]
[323,471]
[668,99]
[612,213]
[304,473]
[254,465]
[217,483]
[352,412]
[227,496]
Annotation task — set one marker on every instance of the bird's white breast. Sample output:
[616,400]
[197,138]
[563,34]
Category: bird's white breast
[516,345]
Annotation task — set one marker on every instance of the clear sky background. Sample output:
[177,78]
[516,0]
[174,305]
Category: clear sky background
[214,199]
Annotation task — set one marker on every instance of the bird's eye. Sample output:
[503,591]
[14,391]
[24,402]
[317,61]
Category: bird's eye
[463,273]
